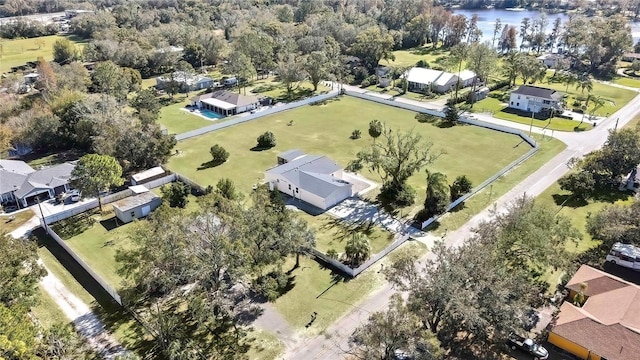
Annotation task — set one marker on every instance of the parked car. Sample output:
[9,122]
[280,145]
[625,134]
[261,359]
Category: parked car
[75,195]
[529,346]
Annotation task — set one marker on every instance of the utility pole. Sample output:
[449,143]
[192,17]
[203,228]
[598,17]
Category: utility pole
[42,215]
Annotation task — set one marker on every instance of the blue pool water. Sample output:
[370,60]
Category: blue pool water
[210,114]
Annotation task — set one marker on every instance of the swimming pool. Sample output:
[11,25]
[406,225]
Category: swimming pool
[210,114]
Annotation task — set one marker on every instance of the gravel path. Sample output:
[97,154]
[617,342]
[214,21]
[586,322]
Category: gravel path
[85,321]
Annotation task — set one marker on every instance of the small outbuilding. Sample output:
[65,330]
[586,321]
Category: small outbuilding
[137,206]
[147,175]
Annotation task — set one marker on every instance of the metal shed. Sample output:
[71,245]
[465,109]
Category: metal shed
[136,207]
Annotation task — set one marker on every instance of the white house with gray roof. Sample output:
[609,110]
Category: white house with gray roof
[22,184]
[314,179]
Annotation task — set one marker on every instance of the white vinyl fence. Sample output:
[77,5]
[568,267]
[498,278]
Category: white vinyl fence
[272,110]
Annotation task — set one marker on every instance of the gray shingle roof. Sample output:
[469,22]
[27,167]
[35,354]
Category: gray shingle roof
[228,97]
[48,178]
[538,92]
[313,174]
[290,155]
[15,166]
[10,181]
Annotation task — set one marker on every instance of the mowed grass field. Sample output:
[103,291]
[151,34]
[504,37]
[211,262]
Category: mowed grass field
[325,130]
[18,51]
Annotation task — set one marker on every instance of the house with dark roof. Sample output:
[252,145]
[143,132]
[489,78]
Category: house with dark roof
[607,325]
[225,102]
[314,179]
[535,99]
[22,184]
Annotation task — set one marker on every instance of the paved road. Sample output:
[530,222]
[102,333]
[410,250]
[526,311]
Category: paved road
[578,144]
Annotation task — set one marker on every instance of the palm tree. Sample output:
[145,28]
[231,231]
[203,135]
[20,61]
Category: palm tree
[584,83]
[357,249]
[569,79]
[598,102]
[438,194]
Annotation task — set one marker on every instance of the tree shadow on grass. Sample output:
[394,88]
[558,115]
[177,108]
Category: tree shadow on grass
[606,196]
[261,148]
[344,230]
[209,164]
[569,201]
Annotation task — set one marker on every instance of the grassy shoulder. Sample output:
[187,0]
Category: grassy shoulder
[319,289]
[10,222]
[326,129]
[549,148]
[18,52]
[47,311]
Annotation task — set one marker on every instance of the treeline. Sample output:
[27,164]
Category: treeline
[194,278]
[466,300]
[21,334]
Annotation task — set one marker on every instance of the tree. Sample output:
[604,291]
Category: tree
[617,158]
[438,195]
[529,237]
[147,105]
[511,67]
[19,272]
[356,134]
[318,67]
[95,173]
[194,54]
[357,249]
[373,45]
[395,330]
[635,66]
[176,194]
[451,115]
[240,65]
[584,82]
[375,129]
[616,223]
[64,51]
[63,342]
[110,79]
[396,159]
[267,140]
[460,186]
[465,297]
[227,189]
[524,32]
[531,69]
[483,60]
[496,29]
[581,184]
[218,155]
[291,71]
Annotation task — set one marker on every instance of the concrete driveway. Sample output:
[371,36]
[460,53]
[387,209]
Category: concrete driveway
[355,210]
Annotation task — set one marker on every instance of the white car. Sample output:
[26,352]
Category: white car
[75,195]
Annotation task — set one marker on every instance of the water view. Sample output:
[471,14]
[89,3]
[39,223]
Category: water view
[487,20]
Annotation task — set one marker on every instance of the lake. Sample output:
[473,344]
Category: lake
[487,19]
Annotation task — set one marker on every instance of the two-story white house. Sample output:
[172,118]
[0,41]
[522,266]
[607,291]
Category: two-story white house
[535,99]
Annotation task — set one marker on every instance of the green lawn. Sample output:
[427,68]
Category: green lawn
[97,245]
[265,346]
[627,81]
[333,233]
[328,293]
[273,88]
[47,311]
[18,51]
[498,110]
[177,120]
[325,130]
[8,224]
[459,216]
[408,58]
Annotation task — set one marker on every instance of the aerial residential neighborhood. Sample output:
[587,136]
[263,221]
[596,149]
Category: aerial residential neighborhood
[313,180]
